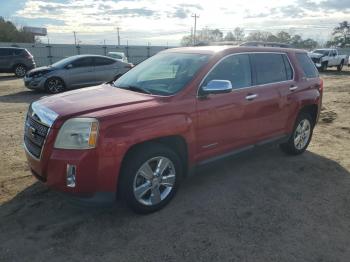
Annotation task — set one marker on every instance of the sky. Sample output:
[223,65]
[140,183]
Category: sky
[163,22]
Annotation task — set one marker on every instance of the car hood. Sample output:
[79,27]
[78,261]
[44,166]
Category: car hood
[315,55]
[40,69]
[88,100]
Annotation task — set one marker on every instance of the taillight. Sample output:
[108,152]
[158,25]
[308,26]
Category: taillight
[320,88]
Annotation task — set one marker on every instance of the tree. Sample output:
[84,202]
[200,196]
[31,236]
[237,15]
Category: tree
[283,37]
[238,33]
[341,35]
[260,36]
[203,37]
[9,33]
[229,37]
[187,40]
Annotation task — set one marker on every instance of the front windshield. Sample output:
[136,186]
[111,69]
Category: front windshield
[163,74]
[321,51]
[64,61]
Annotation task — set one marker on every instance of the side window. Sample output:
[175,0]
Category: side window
[289,70]
[4,52]
[17,51]
[269,68]
[82,62]
[235,68]
[307,65]
[101,61]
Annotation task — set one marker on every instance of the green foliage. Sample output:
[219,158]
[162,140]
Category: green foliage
[9,33]
[341,35]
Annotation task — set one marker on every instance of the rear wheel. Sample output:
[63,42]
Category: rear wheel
[340,67]
[20,70]
[301,136]
[54,85]
[150,177]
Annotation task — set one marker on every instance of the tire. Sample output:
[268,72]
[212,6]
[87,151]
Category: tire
[303,128]
[20,70]
[340,67]
[54,85]
[141,187]
[323,66]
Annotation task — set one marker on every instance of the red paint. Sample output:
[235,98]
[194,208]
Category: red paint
[127,118]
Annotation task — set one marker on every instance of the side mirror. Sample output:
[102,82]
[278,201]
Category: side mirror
[69,66]
[217,87]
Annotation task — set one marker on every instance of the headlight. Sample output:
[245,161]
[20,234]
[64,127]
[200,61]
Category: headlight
[40,74]
[78,133]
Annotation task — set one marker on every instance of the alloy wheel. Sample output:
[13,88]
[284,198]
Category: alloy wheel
[20,71]
[154,181]
[302,134]
[55,85]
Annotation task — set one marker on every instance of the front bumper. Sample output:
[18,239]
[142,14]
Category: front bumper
[91,187]
[34,83]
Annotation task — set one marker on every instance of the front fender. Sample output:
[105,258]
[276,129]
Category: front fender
[116,139]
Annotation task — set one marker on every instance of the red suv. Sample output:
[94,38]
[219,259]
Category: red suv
[179,109]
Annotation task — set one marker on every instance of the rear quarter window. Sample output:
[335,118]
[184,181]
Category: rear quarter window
[307,65]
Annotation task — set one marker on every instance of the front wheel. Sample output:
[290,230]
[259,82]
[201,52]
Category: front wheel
[150,177]
[54,85]
[323,66]
[301,136]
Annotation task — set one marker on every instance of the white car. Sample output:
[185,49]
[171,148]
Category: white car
[328,57]
[118,56]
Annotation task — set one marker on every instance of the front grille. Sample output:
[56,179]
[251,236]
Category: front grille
[316,60]
[34,136]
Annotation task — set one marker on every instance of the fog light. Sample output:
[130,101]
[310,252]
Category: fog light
[71,172]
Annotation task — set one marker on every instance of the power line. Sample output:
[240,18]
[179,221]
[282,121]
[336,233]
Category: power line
[75,37]
[118,28]
[195,28]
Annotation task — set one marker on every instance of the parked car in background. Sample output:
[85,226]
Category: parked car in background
[75,72]
[16,60]
[181,108]
[118,56]
[328,57]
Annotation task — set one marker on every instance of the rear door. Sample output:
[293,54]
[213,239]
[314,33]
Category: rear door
[273,78]
[81,73]
[106,69]
[5,59]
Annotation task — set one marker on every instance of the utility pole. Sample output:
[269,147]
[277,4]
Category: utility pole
[118,28]
[75,37]
[195,28]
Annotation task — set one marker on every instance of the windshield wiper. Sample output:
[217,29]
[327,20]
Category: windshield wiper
[136,88]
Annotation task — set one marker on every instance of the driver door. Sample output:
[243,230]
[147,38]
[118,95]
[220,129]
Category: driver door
[80,73]
[227,121]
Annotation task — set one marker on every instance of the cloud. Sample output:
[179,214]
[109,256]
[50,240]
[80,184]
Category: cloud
[132,12]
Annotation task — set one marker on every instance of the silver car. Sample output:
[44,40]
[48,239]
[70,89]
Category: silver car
[75,72]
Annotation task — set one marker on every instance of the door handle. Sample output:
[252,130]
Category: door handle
[292,88]
[251,97]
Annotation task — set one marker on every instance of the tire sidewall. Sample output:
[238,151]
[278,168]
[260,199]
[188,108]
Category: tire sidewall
[20,65]
[132,165]
[300,118]
[53,78]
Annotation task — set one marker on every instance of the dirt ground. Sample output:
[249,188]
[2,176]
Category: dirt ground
[263,206]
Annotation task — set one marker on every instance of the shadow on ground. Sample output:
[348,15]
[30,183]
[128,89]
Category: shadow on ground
[334,72]
[22,97]
[263,206]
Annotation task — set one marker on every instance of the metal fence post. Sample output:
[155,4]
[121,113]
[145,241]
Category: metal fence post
[148,50]
[50,54]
